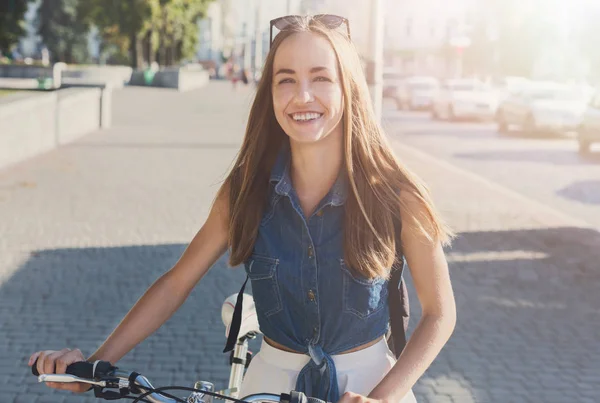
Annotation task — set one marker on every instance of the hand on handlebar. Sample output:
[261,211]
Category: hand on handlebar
[56,362]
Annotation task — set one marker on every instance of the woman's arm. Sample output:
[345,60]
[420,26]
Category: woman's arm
[170,291]
[429,271]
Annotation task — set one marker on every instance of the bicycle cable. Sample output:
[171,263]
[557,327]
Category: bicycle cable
[159,390]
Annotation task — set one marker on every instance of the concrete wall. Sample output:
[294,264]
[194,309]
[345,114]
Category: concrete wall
[179,78]
[78,112]
[15,76]
[23,135]
[116,76]
[35,122]
[33,72]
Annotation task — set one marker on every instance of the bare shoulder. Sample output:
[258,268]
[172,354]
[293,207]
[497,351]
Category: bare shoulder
[410,197]
[412,205]
[420,219]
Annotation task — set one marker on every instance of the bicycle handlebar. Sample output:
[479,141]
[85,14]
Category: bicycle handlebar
[82,369]
[102,374]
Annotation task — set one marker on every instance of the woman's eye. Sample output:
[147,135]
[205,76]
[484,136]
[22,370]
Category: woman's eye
[321,78]
[286,80]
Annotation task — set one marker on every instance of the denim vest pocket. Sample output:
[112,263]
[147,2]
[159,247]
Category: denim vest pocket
[262,271]
[363,297]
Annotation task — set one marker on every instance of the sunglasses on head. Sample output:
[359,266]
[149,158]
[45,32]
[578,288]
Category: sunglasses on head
[330,21]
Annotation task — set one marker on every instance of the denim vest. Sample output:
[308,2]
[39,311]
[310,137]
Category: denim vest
[306,297]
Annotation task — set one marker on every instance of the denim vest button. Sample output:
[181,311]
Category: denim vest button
[310,251]
[320,213]
[311,295]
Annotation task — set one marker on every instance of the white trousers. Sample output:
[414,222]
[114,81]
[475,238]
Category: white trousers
[275,371]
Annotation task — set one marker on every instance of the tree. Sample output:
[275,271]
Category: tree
[145,27]
[64,29]
[178,29]
[121,23]
[12,14]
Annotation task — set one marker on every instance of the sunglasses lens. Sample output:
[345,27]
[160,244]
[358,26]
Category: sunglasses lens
[283,23]
[330,21]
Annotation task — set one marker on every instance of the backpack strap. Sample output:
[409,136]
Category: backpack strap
[398,299]
[236,320]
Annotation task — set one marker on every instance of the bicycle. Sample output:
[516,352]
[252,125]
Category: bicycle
[103,376]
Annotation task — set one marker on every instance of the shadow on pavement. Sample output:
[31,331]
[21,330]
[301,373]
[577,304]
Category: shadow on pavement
[528,317]
[587,192]
[552,157]
[75,297]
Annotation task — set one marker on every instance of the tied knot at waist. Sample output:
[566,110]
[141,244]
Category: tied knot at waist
[318,378]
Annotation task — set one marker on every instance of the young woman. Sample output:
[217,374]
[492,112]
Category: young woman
[311,207]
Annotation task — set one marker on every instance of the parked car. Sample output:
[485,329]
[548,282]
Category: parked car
[391,81]
[589,130]
[464,98]
[543,107]
[416,93]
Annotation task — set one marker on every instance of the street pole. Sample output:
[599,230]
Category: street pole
[375,64]
[257,40]
[247,38]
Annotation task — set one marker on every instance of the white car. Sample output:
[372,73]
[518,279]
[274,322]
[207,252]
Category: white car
[464,98]
[416,93]
[589,130]
[543,107]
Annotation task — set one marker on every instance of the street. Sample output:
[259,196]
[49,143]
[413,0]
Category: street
[548,170]
[85,229]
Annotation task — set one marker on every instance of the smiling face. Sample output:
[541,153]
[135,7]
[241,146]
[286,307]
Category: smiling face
[306,87]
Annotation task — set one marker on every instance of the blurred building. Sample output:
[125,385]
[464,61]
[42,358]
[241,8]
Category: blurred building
[429,36]
[420,36]
[210,34]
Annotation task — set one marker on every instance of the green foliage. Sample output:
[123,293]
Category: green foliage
[143,27]
[64,30]
[12,13]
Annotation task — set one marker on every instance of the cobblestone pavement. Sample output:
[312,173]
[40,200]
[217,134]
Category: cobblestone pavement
[547,169]
[85,229]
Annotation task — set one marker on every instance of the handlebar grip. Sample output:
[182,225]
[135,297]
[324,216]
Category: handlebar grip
[82,369]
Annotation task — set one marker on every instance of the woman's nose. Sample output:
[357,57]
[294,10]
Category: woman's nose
[304,94]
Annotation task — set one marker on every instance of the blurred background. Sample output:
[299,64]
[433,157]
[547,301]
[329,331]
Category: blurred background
[533,38]
[120,118]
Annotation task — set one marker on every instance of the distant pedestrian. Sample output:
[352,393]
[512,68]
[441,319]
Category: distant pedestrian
[244,76]
[234,74]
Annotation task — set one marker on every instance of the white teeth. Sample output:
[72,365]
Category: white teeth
[306,116]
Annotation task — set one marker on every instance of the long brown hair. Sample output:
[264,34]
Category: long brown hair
[377,180]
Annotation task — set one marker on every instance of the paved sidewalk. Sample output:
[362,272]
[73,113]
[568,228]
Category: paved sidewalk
[117,208]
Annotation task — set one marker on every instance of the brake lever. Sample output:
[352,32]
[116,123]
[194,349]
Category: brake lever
[65,378]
